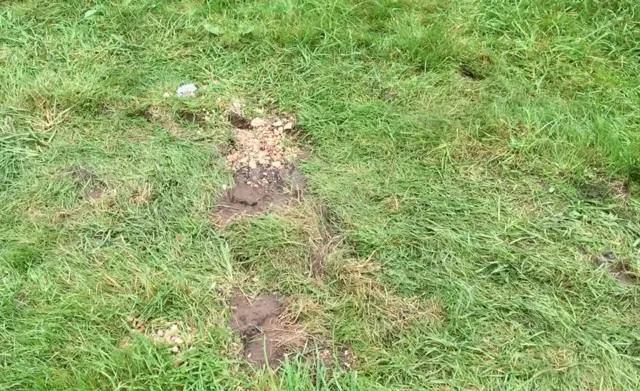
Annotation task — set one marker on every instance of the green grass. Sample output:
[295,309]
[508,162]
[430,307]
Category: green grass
[470,209]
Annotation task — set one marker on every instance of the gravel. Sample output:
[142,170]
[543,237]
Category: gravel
[263,144]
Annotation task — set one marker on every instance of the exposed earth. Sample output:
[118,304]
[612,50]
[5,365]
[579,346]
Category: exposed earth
[264,160]
[267,336]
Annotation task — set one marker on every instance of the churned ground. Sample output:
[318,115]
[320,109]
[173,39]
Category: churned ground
[470,218]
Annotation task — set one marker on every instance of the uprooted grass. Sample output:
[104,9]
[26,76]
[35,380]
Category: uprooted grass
[471,153]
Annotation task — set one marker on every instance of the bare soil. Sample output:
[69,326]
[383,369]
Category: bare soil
[264,163]
[342,357]
[158,116]
[325,242]
[267,336]
[256,190]
[620,270]
[92,187]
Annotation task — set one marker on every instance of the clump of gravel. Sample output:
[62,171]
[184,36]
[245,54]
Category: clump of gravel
[262,144]
[175,337]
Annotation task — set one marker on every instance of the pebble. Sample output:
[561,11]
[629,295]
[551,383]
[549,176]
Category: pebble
[258,122]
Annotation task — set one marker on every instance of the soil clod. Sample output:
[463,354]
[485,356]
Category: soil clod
[267,336]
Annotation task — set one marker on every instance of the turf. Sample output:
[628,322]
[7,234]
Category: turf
[480,161]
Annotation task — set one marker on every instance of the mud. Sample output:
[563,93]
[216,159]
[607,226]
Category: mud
[257,190]
[267,336]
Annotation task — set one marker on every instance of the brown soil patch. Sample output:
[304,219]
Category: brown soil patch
[393,311]
[621,189]
[324,241]
[193,118]
[268,336]
[256,190]
[470,72]
[94,194]
[263,160]
[156,115]
[92,187]
[342,357]
[600,187]
[142,194]
[620,270]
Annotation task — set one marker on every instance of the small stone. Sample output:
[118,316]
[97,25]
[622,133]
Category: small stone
[166,95]
[175,350]
[258,122]
[160,333]
[277,124]
[276,164]
[288,126]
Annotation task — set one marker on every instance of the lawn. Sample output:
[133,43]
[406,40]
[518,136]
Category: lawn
[473,180]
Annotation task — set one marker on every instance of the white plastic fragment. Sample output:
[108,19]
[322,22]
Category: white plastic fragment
[187,90]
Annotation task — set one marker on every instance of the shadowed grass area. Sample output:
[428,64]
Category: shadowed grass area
[478,161]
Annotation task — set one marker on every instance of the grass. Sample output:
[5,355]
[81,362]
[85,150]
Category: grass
[470,206]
